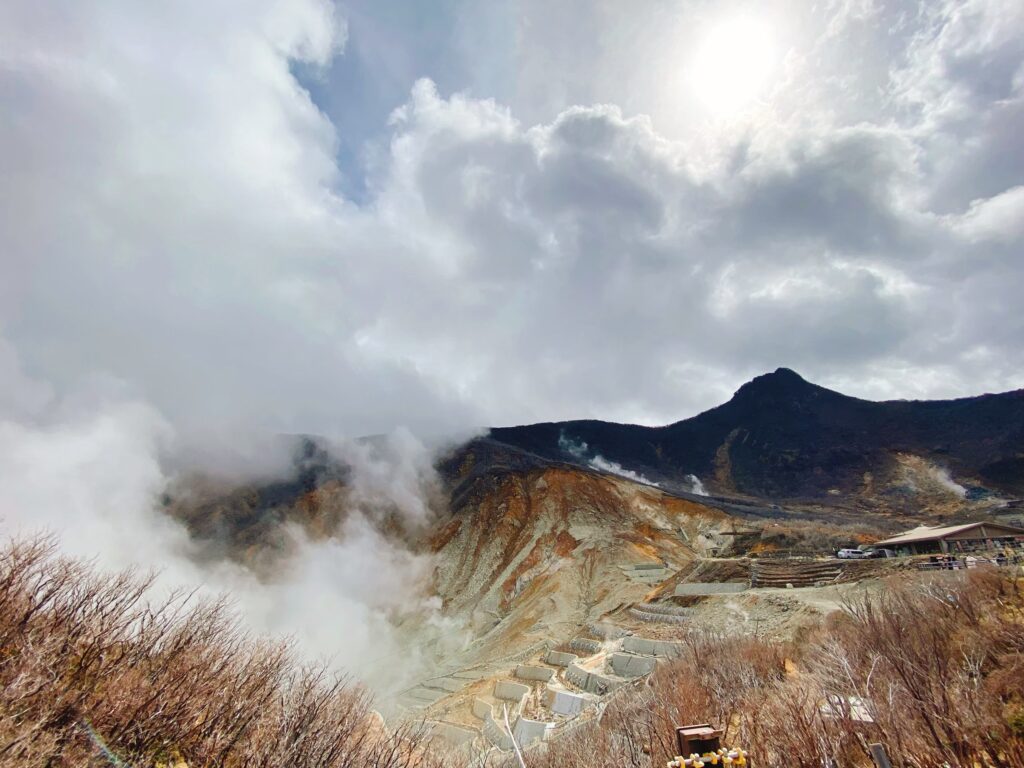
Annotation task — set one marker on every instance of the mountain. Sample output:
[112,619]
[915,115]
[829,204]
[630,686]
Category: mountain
[782,437]
[780,448]
[538,535]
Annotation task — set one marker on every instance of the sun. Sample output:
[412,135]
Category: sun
[732,64]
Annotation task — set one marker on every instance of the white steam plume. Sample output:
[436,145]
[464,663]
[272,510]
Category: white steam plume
[90,471]
[697,486]
[579,449]
[599,462]
[942,476]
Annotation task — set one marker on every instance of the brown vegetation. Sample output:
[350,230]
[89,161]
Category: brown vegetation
[807,537]
[934,671]
[92,672]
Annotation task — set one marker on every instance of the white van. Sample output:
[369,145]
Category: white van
[851,554]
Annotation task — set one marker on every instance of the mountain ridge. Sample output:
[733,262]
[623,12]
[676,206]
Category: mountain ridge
[783,436]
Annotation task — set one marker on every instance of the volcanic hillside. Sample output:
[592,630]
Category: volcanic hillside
[781,437]
[544,535]
[781,447]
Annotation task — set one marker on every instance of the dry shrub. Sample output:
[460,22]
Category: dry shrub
[88,663]
[939,664]
[711,681]
[809,537]
[92,672]
[936,665]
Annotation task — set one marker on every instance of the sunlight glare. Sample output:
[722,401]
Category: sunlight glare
[732,64]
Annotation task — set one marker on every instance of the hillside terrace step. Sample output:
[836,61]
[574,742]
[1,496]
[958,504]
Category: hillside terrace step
[642,566]
[649,647]
[657,618]
[427,695]
[606,630]
[701,589]
[585,645]
[412,706]
[469,674]
[646,573]
[809,568]
[629,665]
[794,583]
[453,733]
[592,682]
[534,673]
[796,577]
[666,608]
[446,684]
[797,574]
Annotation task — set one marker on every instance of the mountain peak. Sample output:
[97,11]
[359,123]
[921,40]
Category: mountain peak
[785,374]
[782,382]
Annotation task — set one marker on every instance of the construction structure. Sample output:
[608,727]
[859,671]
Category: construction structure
[952,539]
[550,691]
[703,745]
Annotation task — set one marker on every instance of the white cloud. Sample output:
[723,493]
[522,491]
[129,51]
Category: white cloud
[170,220]
[999,219]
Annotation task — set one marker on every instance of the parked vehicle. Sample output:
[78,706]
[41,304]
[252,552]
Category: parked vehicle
[851,554]
[882,552]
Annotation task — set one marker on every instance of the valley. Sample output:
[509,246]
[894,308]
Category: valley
[571,559]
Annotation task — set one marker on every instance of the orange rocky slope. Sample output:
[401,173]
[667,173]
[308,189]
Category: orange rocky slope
[545,553]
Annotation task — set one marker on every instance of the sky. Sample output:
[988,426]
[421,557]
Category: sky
[302,216]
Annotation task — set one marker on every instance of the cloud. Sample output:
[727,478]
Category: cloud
[998,219]
[173,222]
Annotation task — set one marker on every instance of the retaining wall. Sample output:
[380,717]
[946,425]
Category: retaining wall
[585,644]
[647,647]
[625,665]
[496,733]
[529,731]
[668,609]
[648,575]
[506,689]
[697,589]
[643,567]
[454,734]
[607,631]
[526,731]
[657,618]
[481,708]
[591,682]
[577,675]
[526,672]
[560,659]
[565,702]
